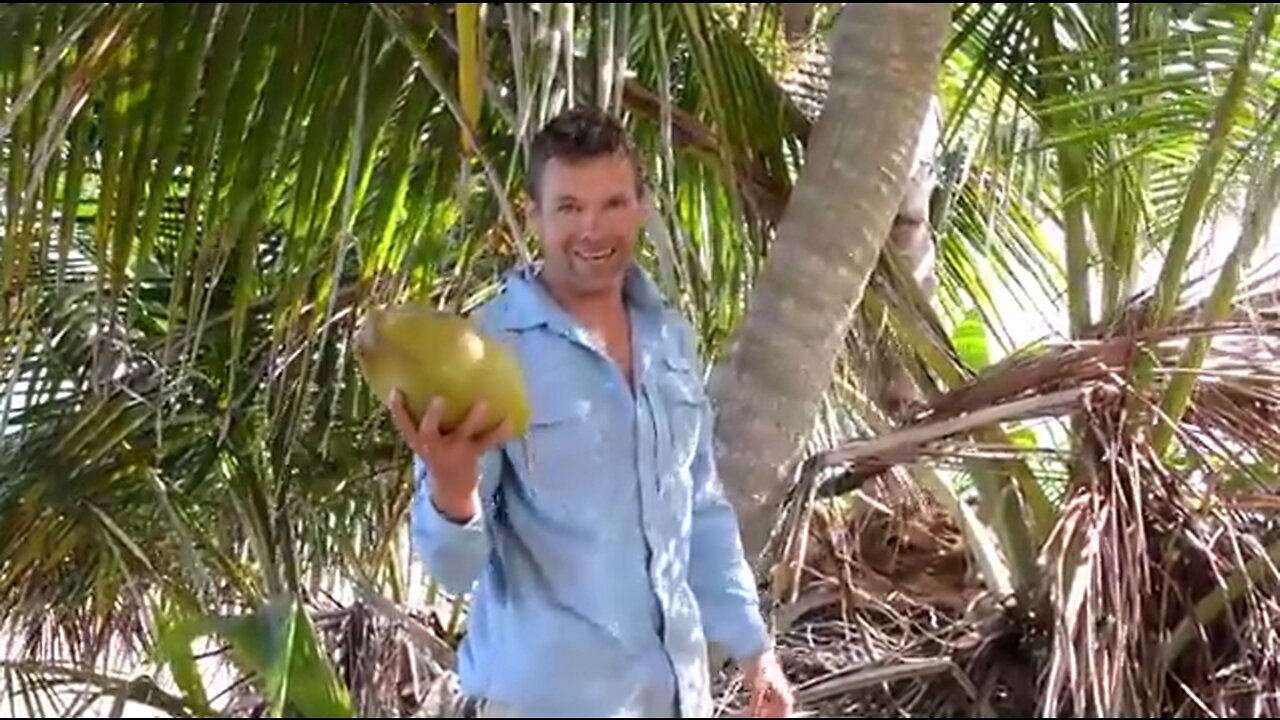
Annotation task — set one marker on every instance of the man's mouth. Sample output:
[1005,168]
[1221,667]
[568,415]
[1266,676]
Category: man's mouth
[596,256]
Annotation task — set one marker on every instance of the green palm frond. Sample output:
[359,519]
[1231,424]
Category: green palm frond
[201,199]
[1122,94]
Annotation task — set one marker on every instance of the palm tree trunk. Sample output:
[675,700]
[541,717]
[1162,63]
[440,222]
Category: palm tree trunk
[885,61]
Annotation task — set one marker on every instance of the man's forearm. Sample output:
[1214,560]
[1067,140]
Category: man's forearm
[720,576]
[723,583]
[458,507]
[448,535]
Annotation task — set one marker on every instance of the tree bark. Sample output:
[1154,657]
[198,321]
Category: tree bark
[885,63]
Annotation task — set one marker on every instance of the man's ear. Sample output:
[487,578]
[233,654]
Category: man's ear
[532,209]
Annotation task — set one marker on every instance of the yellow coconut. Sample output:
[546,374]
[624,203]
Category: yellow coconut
[426,353]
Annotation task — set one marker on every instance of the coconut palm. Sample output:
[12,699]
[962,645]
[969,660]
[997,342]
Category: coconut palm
[200,200]
[888,58]
[1140,587]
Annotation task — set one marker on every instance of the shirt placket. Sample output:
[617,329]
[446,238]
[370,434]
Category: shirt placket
[653,456]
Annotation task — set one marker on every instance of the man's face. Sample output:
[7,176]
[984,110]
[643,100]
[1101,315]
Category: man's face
[588,215]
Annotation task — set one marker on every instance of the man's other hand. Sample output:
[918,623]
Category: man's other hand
[771,695]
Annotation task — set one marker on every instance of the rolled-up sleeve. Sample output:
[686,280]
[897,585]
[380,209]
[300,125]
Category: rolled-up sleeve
[452,553]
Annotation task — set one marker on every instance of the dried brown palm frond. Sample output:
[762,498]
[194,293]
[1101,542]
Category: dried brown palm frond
[897,546]
[1161,594]
[891,620]
[1155,592]
[1242,373]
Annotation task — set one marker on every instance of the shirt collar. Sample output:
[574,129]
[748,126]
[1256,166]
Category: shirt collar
[526,304]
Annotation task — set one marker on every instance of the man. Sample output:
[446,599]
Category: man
[601,550]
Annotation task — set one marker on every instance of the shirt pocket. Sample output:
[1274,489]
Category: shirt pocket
[684,401]
[553,442]
[559,455]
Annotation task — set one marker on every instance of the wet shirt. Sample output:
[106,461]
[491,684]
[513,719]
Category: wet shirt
[605,556]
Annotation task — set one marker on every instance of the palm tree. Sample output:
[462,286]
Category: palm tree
[827,246]
[200,200]
[1137,565]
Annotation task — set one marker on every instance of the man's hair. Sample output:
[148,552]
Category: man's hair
[577,134]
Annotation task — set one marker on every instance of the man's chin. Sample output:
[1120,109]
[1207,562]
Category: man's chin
[597,282]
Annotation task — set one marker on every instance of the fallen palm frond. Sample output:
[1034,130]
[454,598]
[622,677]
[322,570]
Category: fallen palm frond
[368,657]
[1156,588]
[83,687]
[1243,369]
[363,657]
[892,621]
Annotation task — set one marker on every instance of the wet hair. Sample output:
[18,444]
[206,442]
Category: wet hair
[581,133]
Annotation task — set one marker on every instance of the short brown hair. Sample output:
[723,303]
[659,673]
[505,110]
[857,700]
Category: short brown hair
[577,134]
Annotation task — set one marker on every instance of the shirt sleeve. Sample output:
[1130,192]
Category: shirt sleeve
[721,579]
[453,553]
[720,576]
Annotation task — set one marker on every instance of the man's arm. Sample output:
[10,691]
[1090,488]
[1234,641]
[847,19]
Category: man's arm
[453,550]
[719,575]
[721,579]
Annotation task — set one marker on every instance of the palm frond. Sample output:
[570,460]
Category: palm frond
[1160,546]
[220,191]
[1124,92]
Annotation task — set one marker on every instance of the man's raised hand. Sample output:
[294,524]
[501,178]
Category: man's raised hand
[452,458]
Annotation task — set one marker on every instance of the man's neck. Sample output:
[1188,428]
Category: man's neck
[593,310]
[604,316]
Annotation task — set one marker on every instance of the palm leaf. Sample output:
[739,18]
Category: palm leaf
[234,183]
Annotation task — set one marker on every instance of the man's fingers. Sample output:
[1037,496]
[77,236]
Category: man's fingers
[497,434]
[474,421]
[430,426]
[778,705]
[400,414]
[758,686]
[771,697]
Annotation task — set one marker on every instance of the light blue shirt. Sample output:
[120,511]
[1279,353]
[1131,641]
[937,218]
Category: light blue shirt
[605,556]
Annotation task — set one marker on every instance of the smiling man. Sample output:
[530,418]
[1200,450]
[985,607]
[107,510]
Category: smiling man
[602,553]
